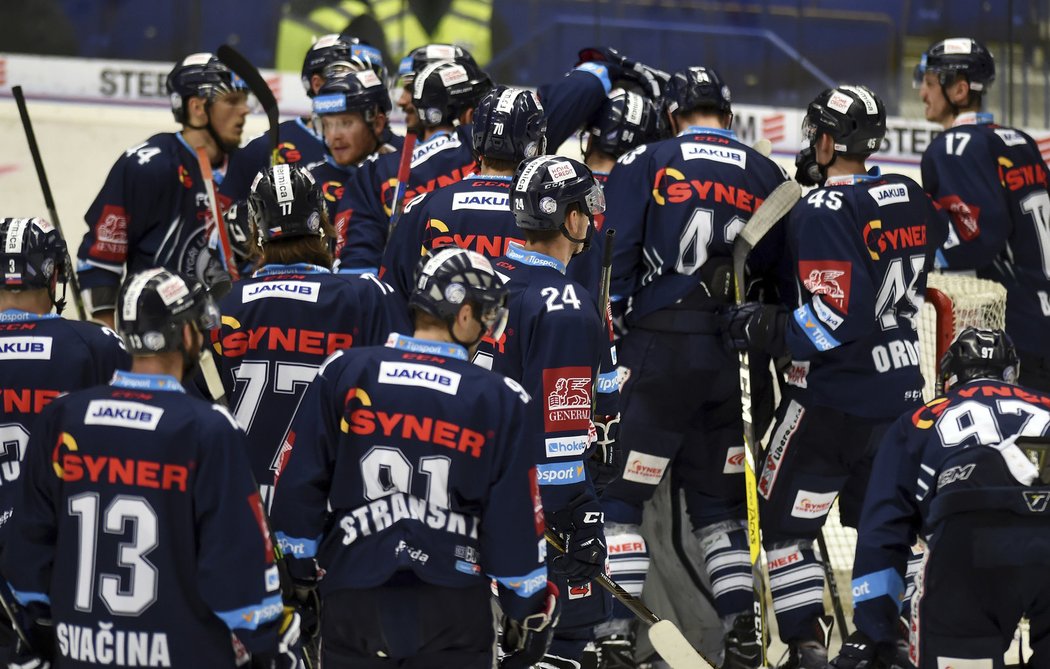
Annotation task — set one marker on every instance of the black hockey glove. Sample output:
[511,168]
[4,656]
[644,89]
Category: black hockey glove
[650,80]
[860,652]
[582,527]
[288,653]
[807,171]
[755,326]
[527,641]
[606,460]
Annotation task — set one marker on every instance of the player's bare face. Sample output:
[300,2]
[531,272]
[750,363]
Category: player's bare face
[227,115]
[348,136]
[405,103]
[935,105]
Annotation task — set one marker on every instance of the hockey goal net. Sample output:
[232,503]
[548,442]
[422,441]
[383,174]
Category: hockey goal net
[953,303]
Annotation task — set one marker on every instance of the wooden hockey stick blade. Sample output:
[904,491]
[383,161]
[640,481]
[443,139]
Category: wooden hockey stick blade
[763,146]
[210,370]
[674,648]
[243,68]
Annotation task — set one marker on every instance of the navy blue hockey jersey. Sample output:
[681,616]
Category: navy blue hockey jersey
[277,328]
[408,458]
[298,145]
[553,345]
[152,211]
[859,248]
[41,357]
[332,179]
[676,204]
[443,159]
[926,457]
[992,181]
[140,527]
[571,101]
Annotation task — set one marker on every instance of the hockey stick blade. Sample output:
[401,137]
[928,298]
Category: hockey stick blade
[773,208]
[243,68]
[763,146]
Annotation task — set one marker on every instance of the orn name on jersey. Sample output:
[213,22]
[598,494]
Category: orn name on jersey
[107,646]
[384,512]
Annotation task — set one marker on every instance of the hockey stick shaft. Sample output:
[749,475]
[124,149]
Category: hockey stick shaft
[603,301]
[243,68]
[833,586]
[49,200]
[404,171]
[12,616]
[665,636]
[216,212]
[775,207]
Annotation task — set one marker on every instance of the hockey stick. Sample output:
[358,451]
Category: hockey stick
[243,68]
[12,616]
[833,586]
[216,213]
[763,146]
[604,287]
[49,200]
[665,636]
[404,170]
[779,203]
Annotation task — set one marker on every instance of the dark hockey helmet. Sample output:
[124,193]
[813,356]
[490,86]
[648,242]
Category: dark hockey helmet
[696,88]
[853,116]
[955,56]
[284,203]
[441,92]
[509,125]
[545,187]
[199,75]
[453,277]
[625,121]
[326,50]
[352,91]
[979,354]
[33,255]
[418,59]
[154,304]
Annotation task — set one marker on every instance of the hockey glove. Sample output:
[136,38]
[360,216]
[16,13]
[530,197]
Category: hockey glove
[650,80]
[582,526]
[527,641]
[755,326]
[860,652]
[807,171]
[289,647]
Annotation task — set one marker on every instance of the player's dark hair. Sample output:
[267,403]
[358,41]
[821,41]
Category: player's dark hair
[500,165]
[312,250]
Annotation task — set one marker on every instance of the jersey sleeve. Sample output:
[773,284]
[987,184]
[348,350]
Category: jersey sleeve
[245,163]
[511,532]
[133,198]
[300,511]
[889,523]
[627,196]
[367,221]
[402,253]
[966,185]
[235,557]
[571,101]
[836,288]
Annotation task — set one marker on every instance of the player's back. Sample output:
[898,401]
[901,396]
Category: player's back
[136,479]
[861,245]
[413,439]
[278,327]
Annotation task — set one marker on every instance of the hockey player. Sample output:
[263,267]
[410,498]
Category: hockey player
[351,110]
[676,206]
[139,538]
[555,340]
[418,59]
[858,248]
[956,473]
[152,209]
[444,95]
[410,486]
[626,120]
[992,181]
[279,325]
[299,141]
[473,213]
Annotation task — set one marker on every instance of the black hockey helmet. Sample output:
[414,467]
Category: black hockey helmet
[153,305]
[853,116]
[958,55]
[545,187]
[979,354]
[418,59]
[453,277]
[441,92]
[326,50]
[200,75]
[284,203]
[625,121]
[33,256]
[695,88]
[509,125]
[346,90]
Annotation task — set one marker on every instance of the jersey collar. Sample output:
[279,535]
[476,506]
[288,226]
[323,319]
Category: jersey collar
[133,381]
[489,177]
[415,345]
[348,169]
[296,268]
[217,173]
[306,126]
[19,316]
[703,130]
[517,252]
[874,174]
[974,118]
